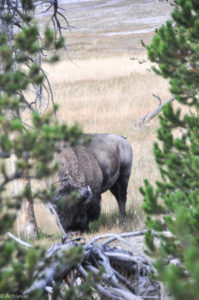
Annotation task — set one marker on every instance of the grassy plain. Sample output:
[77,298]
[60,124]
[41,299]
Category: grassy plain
[109,93]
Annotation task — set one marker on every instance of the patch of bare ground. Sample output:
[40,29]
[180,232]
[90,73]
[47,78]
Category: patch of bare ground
[83,45]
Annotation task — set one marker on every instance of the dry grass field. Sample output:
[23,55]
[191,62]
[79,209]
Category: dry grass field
[107,94]
[105,84]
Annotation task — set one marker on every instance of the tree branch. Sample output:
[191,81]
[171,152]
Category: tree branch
[18,240]
[152,115]
[149,116]
[113,236]
[16,175]
[53,211]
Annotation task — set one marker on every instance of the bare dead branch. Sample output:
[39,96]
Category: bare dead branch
[19,15]
[159,108]
[121,239]
[18,240]
[149,116]
[117,263]
[7,179]
[125,281]
[113,236]
[157,97]
[57,218]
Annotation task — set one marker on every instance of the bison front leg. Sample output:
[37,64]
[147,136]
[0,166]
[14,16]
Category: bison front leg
[119,190]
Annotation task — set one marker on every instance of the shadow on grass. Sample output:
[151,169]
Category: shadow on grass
[111,221]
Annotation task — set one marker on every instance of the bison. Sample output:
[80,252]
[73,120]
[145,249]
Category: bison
[85,172]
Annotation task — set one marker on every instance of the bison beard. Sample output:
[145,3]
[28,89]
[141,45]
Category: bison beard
[104,164]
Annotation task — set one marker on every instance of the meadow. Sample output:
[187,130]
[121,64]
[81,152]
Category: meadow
[108,94]
[105,83]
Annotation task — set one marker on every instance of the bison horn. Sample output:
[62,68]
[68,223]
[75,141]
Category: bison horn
[87,194]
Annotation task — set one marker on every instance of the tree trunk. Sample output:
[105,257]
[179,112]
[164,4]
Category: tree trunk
[26,221]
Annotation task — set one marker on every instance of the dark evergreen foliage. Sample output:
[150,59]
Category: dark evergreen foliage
[176,196]
[34,146]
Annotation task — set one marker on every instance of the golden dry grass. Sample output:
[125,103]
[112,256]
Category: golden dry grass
[107,94]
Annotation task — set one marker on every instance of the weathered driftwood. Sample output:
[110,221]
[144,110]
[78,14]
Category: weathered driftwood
[57,218]
[18,240]
[144,121]
[125,276]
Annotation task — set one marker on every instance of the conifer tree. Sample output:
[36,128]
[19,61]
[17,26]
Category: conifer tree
[34,147]
[175,49]
[14,15]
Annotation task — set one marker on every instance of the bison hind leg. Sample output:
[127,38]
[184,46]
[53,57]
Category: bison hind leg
[119,190]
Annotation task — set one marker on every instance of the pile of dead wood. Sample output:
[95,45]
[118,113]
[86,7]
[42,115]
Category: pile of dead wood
[126,271]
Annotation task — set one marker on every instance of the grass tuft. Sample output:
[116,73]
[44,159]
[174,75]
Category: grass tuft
[109,221]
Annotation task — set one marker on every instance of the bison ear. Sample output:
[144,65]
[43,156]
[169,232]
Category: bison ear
[86,194]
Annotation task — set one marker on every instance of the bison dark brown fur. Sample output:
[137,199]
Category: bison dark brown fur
[104,164]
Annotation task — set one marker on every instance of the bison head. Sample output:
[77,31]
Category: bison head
[72,206]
